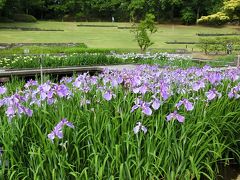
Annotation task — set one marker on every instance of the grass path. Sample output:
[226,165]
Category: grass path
[104,37]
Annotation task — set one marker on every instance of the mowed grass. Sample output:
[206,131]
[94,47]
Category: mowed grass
[104,37]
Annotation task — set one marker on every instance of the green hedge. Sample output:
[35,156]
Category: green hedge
[24,18]
[218,44]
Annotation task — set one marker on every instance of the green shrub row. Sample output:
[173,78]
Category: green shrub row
[218,44]
[24,18]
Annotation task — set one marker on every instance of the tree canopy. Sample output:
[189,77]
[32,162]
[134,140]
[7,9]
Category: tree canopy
[122,10]
[230,11]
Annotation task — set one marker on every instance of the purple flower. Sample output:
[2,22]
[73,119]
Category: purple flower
[198,85]
[31,83]
[234,92]
[108,95]
[62,90]
[3,90]
[28,112]
[177,116]
[57,131]
[212,94]
[10,112]
[142,105]
[143,89]
[156,104]
[187,104]
[214,77]
[139,127]
[146,109]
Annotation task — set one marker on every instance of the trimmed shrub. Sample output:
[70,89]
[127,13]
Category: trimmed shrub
[219,18]
[24,18]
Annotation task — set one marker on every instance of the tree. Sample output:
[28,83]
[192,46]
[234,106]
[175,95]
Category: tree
[136,8]
[232,9]
[31,5]
[2,2]
[142,31]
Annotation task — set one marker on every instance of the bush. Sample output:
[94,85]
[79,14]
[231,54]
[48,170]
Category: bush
[219,18]
[68,18]
[24,18]
[80,16]
[188,16]
[218,44]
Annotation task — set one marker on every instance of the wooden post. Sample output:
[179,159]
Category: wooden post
[41,68]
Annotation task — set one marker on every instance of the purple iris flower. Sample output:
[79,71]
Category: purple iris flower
[31,83]
[234,92]
[156,104]
[212,94]
[3,90]
[214,77]
[164,90]
[57,131]
[62,90]
[108,95]
[10,112]
[177,116]
[144,106]
[198,85]
[187,104]
[146,109]
[143,89]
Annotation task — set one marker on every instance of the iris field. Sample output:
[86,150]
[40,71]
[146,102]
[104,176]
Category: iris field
[146,123]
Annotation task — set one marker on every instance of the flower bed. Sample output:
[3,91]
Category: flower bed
[134,124]
[58,60]
[94,59]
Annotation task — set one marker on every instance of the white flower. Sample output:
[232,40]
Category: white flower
[139,127]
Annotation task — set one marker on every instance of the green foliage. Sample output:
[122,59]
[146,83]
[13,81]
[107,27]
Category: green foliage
[103,144]
[86,59]
[218,44]
[24,18]
[55,50]
[6,20]
[215,19]
[2,2]
[232,8]
[229,12]
[142,31]
[188,16]
[103,10]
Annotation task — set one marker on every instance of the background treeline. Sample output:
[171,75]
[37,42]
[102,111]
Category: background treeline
[182,11]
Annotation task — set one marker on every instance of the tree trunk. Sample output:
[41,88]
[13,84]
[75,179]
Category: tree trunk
[198,12]
[158,12]
[172,13]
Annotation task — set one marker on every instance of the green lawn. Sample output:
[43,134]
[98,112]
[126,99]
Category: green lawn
[104,37]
